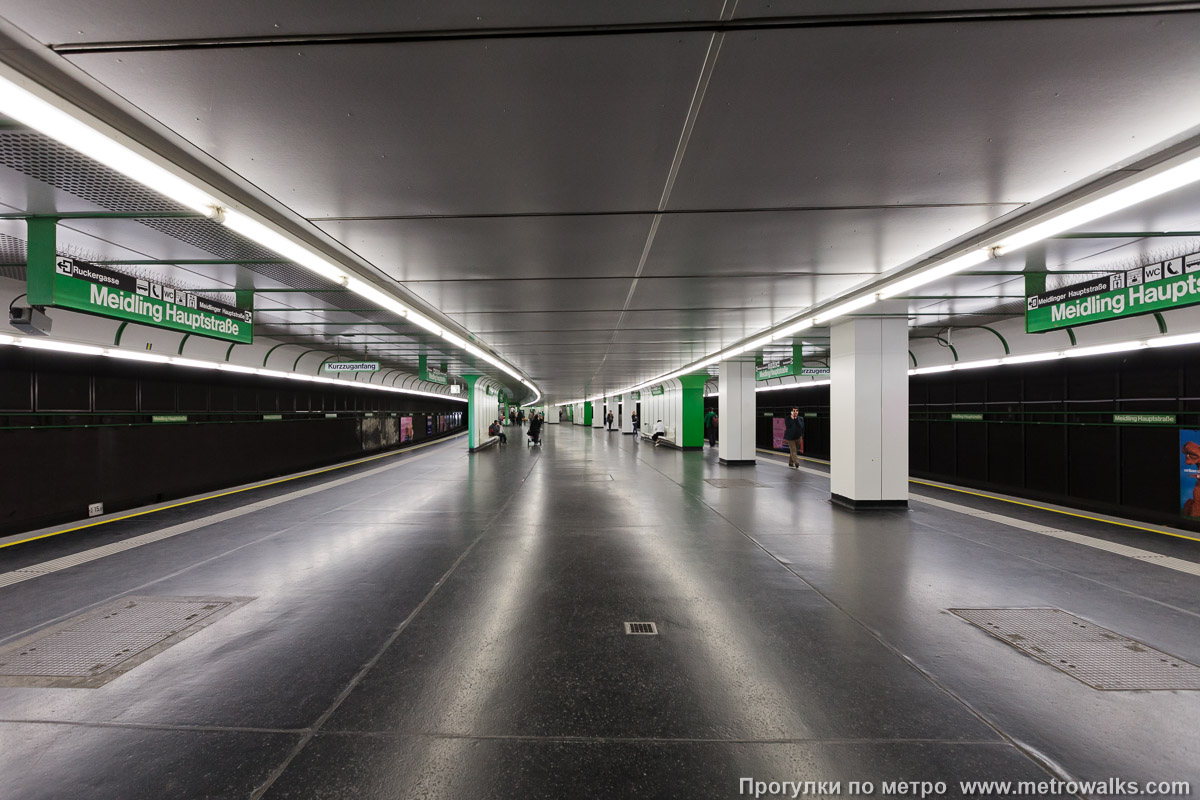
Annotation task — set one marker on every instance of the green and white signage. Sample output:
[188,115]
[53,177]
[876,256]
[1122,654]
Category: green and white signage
[352,366]
[773,371]
[1173,283]
[656,390]
[1144,419]
[85,287]
[431,374]
[967,416]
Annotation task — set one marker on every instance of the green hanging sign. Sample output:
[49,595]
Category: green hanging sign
[431,374]
[85,287]
[1173,283]
[656,390]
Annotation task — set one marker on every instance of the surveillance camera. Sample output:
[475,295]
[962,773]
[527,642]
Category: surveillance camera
[29,320]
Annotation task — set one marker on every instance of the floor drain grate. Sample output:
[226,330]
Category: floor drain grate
[92,649]
[643,628]
[734,483]
[1101,658]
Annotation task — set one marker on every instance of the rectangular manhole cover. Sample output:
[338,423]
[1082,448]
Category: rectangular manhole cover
[92,649]
[1101,658]
[734,483]
[641,628]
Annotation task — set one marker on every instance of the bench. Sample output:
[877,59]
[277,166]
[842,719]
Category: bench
[648,433]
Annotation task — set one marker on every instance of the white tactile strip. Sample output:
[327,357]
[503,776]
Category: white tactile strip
[86,556]
[1170,562]
[1097,656]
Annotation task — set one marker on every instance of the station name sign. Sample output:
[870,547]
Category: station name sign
[85,287]
[1173,283]
[786,370]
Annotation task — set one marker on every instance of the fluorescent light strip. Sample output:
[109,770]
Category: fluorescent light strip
[40,109]
[58,346]
[845,308]
[34,106]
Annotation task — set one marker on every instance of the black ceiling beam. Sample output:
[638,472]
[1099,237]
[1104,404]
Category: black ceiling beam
[793,22]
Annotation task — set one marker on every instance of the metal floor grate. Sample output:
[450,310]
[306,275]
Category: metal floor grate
[734,483]
[92,649]
[1101,658]
[641,628]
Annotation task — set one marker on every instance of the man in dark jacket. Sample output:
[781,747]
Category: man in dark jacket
[535,428]
[793,434]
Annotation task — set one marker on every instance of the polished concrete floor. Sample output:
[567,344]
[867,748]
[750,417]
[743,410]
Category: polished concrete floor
[452,627]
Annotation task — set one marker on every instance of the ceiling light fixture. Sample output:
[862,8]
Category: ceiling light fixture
[39,108]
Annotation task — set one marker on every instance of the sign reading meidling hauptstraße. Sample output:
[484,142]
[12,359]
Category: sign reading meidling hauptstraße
[85,287]
[1173,283]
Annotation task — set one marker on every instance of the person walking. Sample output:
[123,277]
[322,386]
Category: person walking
[793,434]
[535,428]
[713,427]
[709,416]
[633,420]
[609,420]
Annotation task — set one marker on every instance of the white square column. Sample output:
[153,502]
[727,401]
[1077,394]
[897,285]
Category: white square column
[628,405]
[868,409]
[735,426]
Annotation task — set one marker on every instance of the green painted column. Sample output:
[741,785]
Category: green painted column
[692,435]
[472,433]
[587,413]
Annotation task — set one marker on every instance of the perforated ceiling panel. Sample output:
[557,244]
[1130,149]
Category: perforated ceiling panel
[50,162]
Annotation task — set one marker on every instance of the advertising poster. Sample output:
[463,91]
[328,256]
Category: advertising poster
[428,426]
[777,426]
[1189,473]
[406,429]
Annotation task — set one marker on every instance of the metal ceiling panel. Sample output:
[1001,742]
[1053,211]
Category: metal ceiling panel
[67,21]
[498,247]
[575,124]
[780,295]
[860,241]
[981,113]
[565,296]
[491,324]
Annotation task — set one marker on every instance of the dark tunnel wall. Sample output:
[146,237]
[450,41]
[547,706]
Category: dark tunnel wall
[79,430]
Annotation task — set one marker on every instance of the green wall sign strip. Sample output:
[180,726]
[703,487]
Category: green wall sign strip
[773,371]
[169,418]
[80,286]
[1144,419]
[351,366]
[1174,283]
[272,416]
[967,417]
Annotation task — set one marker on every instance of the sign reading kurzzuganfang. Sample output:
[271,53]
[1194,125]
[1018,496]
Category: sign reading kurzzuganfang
[1173,283]
[85,287]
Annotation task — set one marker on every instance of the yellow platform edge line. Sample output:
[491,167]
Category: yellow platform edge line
[1020,503]
[298,476]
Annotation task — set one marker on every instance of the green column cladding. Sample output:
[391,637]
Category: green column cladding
[587,413]
[691,437]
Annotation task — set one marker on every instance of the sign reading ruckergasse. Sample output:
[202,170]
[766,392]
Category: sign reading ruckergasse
[81,286]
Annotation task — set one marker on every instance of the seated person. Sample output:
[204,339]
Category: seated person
[495,430]
[659,430]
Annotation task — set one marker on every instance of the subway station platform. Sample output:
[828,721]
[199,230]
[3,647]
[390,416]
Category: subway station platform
[437,625]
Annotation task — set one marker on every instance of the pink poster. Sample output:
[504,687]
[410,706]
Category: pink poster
[406,429]
[777,426]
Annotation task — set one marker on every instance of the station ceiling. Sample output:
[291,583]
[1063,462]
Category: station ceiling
[605,192]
